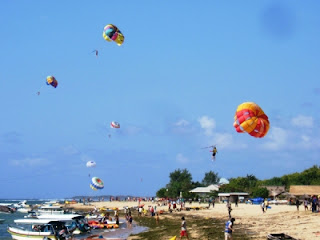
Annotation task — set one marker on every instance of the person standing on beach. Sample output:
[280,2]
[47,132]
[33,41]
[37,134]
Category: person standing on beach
[306,204]
[263,206]
[130,221]
[229,208]
[228,229]
[157,219]
[297,204]
[183,232]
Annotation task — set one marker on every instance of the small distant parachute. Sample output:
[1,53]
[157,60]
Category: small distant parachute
[112,33]
[91,164]
[52,81]
[96,52]
[96,184]
[115,125]
[250,118]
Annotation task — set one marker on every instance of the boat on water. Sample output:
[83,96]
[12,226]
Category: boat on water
[7,209]
[51,209]
[54,230]
[1,221]
[75,223]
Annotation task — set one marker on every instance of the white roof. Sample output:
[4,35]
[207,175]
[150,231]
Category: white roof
[208,189]
[58,217]
[233,194]
[51,207]
[32,221]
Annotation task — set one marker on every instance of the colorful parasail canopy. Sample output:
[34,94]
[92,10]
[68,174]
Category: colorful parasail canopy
[91,164]
[96,183]
[115,125]
[112,33]
[250,118]
[52,81]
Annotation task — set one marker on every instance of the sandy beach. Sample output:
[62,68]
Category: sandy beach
[249,218]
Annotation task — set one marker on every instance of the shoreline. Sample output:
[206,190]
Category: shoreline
[249,218]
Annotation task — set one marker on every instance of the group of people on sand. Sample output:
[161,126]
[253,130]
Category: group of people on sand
[264,205]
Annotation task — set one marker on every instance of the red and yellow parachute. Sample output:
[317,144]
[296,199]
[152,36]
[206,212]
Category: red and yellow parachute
[250,118]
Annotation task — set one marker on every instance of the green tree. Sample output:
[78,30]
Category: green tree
[260,192]
[162,193]
[210,178]
[180,181]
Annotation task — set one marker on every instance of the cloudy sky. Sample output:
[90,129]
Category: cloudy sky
[174,86]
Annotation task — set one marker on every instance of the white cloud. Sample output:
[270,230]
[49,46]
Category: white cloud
[223,139]
[305,138]
[208,124]
[181,159]
[278,139]
[30,162]
[302,121]
[182,123]
[70,150]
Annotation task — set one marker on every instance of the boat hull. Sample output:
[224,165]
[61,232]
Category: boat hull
[20,234]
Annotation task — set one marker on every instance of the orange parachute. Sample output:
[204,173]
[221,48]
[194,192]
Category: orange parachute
[250,118]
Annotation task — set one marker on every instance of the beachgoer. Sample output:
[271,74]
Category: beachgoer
[157,219]
[297,204]
[266,204]
[183,232]
[213,201]
[140,211]
[228,229]
[130,221]
[306,204]
[117,219]
[229,208]
[263,206]
[236,202]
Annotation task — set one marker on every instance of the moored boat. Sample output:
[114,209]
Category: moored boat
[76,224]
[55,230]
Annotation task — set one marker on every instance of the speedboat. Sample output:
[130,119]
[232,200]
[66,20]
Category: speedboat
[45,229]
[49,209]
[7,209]
[76,224]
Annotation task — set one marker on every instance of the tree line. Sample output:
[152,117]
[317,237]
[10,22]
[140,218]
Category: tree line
[181,181]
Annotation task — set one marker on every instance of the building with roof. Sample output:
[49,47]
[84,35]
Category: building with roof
[204,191]
[275,191]
[302,190]
[233,196]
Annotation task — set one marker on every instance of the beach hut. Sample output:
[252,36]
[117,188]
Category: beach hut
[205,191]
[301,190]
[232,196]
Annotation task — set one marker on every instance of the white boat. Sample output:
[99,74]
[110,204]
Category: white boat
[55,230]
[75,223]
[23,210]
[49,209]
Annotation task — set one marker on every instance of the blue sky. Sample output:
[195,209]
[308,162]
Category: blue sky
[174,86]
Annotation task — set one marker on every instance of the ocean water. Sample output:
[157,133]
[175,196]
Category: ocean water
[9,218]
